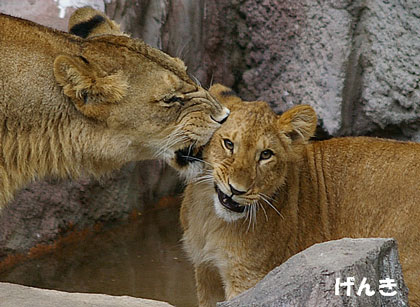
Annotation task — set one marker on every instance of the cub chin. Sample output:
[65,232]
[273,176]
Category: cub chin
[267,194]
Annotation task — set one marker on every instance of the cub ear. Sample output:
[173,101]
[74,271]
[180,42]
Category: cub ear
[87,85]
[298,123]
[87,22]
[224,95]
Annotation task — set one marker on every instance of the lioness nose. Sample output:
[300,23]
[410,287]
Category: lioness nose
[223,117]
[235,191]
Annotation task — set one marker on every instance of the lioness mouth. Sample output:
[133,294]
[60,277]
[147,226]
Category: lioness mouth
[188,155]
[228,202]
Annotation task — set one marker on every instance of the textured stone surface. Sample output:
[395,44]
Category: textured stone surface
[390,60]
[308,278]
[355,62]
[15,295]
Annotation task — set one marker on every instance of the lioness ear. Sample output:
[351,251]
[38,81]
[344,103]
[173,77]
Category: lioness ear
[224,95]
[87,85]
[298,123]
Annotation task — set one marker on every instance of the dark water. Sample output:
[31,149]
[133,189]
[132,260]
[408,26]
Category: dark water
[142,259]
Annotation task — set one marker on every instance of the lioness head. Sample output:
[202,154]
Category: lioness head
[248,155]
[143,99]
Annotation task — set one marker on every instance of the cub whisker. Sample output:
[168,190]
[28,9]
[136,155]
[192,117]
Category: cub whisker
[262,207]
[264,198]
[251,215]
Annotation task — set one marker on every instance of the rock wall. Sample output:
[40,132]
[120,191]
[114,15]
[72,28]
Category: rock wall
[356,62]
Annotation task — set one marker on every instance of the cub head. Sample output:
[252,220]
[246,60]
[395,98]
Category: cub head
[141,100]
[248,156]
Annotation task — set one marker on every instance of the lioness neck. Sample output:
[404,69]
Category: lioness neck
[59,147]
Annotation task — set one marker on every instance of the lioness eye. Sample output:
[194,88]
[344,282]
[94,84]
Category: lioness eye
[228,144]
[173,99]
[266,154]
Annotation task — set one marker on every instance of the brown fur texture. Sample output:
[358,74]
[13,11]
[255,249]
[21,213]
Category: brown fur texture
[304,193]
[70,106]
[88,22]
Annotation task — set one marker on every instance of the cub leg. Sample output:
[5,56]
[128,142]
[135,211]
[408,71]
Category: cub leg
[209,285]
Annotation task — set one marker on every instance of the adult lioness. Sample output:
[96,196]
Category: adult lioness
[268,194]
[70,105]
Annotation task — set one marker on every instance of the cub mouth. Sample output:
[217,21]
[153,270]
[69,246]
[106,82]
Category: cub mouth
[228,202]
[189,155]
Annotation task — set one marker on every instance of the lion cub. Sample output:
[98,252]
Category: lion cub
[267,194]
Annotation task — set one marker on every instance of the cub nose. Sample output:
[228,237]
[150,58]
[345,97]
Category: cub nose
[223,117]
[235,191]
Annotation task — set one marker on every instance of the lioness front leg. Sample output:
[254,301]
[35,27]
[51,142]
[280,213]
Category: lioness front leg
[209,285]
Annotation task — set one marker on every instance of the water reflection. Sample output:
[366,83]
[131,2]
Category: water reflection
[143,259]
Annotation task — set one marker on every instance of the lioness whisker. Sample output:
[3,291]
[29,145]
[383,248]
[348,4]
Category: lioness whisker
[173,135]
[175,139]
[195,80]
[190,150]
[203,179]
[170,143]
[196,159]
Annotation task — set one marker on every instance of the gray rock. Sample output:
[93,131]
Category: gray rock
[309,278]
[355,62]
[390,63]
[15,295]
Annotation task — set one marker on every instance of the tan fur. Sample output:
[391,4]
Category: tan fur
[324,190]
[85,14]
[70,106]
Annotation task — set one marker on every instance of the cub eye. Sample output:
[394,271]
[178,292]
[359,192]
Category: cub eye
[173,99]
[266,154]
[228,144]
